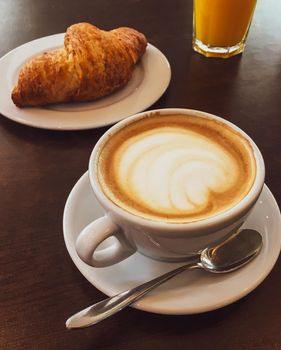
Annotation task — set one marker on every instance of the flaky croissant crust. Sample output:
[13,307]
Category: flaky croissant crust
[93,63]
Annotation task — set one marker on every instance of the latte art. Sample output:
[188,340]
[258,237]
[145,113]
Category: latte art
[174,171]
[176,168]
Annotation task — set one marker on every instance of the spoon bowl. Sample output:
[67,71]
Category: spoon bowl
[232,253]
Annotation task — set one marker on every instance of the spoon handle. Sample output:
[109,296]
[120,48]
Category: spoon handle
[110,306]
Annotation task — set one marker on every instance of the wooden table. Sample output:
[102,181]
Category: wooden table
[40,286]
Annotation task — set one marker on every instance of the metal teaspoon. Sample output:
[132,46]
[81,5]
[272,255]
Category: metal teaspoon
[227,256]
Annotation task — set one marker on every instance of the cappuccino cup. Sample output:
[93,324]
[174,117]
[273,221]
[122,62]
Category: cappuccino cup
[171,182]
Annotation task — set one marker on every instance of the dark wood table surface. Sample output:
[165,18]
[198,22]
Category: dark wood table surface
[40,286]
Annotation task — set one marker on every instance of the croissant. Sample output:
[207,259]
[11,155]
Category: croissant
[93,63]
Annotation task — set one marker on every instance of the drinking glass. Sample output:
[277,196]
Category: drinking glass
[220,27]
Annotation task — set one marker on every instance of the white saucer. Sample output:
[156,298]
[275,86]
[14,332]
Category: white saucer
[150,79]
[189,293]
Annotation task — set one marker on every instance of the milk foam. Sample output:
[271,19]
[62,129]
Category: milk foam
[173,172]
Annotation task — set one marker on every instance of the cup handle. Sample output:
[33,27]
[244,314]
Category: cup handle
[93,235]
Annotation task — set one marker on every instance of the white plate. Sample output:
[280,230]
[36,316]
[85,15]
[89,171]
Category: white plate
[150,79]
[189,293]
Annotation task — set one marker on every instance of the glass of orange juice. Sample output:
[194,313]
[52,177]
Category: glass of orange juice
[220,27]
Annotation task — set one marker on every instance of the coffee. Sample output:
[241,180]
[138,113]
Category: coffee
[176,168]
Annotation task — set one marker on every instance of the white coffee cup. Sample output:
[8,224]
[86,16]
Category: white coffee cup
[158,239]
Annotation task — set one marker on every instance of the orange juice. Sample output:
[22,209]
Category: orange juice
[222,23]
